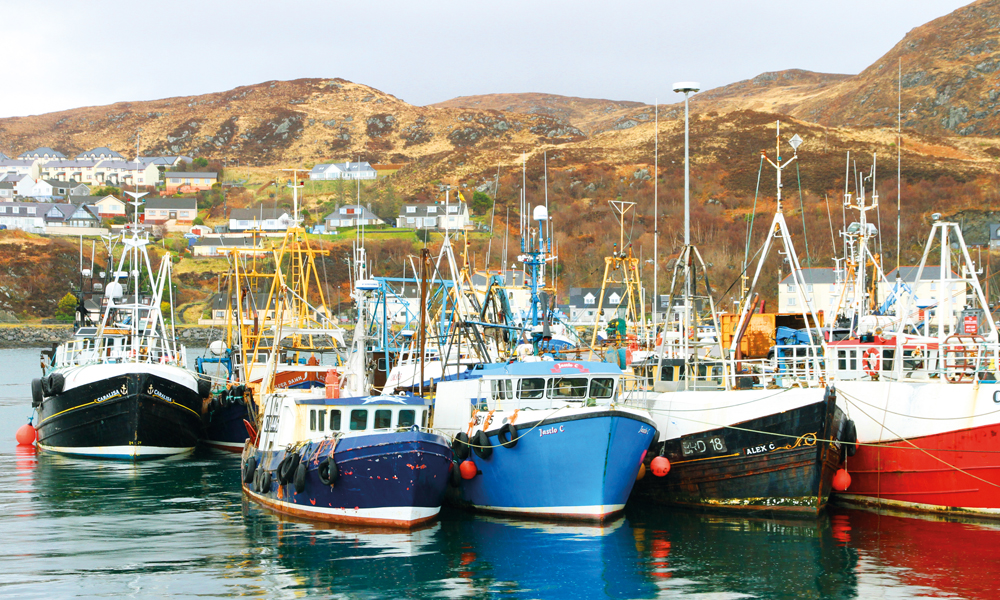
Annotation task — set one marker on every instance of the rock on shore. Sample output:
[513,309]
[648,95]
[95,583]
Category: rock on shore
[43,336]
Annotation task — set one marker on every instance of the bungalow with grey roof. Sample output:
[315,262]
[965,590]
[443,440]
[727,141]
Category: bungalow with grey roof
[161,210]
[351,215]
[259,218]
[189,181]
[120,172]
[217,245]
[27,216]
[345,170]
[434,216]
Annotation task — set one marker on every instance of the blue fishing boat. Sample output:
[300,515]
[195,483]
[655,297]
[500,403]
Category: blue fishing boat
[367,460]
[543,438]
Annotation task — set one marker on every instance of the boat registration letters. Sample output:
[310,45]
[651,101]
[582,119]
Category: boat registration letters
[715,444]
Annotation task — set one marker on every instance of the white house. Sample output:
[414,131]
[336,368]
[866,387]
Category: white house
[583,304]
[82,171]
[434,216]
[120,172]
[29,168]
[346,170]
[160,210]
[102,153]
[264,219]
[110,207]
[16,186]
[351,215]
[28,216]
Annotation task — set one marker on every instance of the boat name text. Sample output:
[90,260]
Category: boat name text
[550,430]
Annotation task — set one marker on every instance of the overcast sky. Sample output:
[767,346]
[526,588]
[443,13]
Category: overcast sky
[65,54]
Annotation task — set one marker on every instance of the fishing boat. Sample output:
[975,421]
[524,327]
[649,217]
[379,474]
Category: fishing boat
[308,346]
[121,389]
[738,434]
[922,390]
[543,438]
[366,459]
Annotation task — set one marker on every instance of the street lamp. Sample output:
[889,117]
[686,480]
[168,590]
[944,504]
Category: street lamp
[687,88]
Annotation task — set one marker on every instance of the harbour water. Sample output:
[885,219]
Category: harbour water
[74,528]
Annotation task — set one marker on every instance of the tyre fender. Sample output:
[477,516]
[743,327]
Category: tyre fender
[481,445]
[507,435]
[249,467]
[460,446]
[300,478]
[36,393]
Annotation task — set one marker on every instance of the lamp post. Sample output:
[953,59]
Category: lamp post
[687,88]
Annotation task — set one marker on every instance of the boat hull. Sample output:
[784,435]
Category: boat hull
[776,462]
[129,416]
[385,479]
[580,466]
[225,429]
[928,446]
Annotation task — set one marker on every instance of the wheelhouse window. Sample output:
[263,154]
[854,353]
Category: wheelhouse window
[602,387]
[312,420]
[502,389]
[359,420]
[531,388]
[406,418]
[568,388]
[321,421]
[383,419]
[334,420]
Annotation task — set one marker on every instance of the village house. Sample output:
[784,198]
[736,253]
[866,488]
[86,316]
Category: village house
[351,215]
[161,210]
[110,207]
[16,186]
[102,153]
[434,216]
[162,163]
[188,182]
[252,304]
[82,171]
[22,168]
[217,245]
[259,218]
[124,173]
[583,303]
[43,154]
[56,215]
[27,216]
[346,170]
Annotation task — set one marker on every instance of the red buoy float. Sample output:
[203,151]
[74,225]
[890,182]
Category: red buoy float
[468,469]
[841,480]
[661,466]
[26,434]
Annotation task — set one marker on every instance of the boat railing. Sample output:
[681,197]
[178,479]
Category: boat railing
[108,350]
[798,364]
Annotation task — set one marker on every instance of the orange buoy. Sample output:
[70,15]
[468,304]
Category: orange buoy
[641,473]
[26,434]
[661,466]
[468,469]
[841,480]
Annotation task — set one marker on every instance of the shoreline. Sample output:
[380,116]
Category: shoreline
[43,336]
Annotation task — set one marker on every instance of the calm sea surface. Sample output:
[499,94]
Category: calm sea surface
[86,529]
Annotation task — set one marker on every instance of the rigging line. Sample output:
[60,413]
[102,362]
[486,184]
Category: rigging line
[859,401]
[753,213]
[829,218]
[739,275]
[802,210]
[916,447]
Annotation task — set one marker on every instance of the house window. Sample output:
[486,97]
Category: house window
[791,302]
[453,209]
[589,299]
[411,209]
[432,210]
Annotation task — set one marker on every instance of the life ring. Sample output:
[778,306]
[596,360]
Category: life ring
[36,393]
[507,435]
[287,468]
[850,439]
[871,362]
[249,467]
[328,470]
[300,478]
[460,446]
[481,445]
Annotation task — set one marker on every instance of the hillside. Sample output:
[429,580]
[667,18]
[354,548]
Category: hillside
[586,114]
